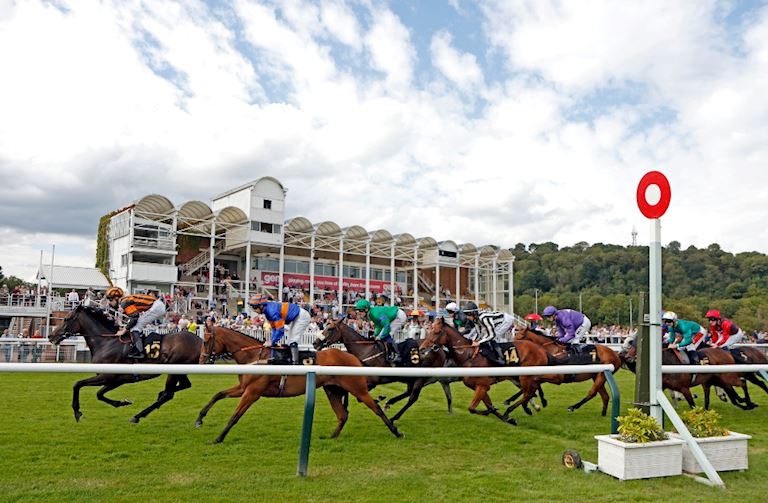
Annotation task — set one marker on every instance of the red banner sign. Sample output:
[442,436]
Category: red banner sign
[326,283]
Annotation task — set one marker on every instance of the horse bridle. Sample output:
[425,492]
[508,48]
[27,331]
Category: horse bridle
[210,356]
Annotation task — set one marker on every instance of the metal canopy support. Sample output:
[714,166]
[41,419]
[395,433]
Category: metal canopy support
[312,270]
[392,276]
[210,262]
[512,285]
[495,287]
[477,279]
[416,277]
[437,282]
[280,272]
[340,271]
[458,282]
[247,274]
[368,269]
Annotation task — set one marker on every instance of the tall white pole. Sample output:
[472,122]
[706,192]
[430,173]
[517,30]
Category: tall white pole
[495,286]
[458,282]
[437,282]
[477,279]
[655,316]
[281,270]
[210,262]
[340,296]
[247,274]
[39,279]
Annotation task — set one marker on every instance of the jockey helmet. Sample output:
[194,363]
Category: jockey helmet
[713,313]
[452,307]
[669,316]
[470,308]
[258,299]
[362,305]
[549,311]
[115,292]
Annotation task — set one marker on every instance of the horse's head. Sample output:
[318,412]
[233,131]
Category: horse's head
[628,351]
[70,326]
[212,346]
[436,337]
[331,335]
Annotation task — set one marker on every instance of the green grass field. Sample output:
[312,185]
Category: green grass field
[46,456]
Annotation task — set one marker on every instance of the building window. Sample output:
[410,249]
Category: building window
[267,204]
[124,260]
[265,227]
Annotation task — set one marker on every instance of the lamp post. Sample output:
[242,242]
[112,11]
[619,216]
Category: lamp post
[536,300]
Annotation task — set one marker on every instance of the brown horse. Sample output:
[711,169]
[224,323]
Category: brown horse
[372,355]
[682,383]
[603,354]
[246,350]
[98,330]
[460,349]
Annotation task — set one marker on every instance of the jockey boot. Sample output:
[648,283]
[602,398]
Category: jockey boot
[271,358]
[392,355]
[693,357]
[137,351]
[499,355]
[294,353]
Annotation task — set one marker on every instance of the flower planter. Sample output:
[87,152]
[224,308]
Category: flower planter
[639,461]
[726,453]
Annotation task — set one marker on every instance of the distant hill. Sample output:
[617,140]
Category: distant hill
[608,276]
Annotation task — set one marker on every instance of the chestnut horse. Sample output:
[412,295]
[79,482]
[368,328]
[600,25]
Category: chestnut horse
[682,383]
[245,350]
[603,355]
[371,355]
[460,349]
[98,330]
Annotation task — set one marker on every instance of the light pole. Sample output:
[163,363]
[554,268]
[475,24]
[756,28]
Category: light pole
[536,300]
[630,313]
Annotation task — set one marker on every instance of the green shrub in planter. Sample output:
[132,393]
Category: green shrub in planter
[703,423]
[638,427]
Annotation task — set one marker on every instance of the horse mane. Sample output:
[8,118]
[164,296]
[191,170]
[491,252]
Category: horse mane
[261,341]
[100,316]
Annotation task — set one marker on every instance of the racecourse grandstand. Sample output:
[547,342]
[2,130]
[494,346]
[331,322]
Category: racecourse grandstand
[241,242]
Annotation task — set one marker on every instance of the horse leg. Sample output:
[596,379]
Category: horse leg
[757,381]
[528,390]
[172,384]
[541,396]
[686,392]
[605,398]
[408,391]
[336,401]
[251,393]
[97,380]
[493,410]
[707,388]
[749,403]
[599,382]
[114,403]
[361,393]
[233,392]
[721,394]
[448,395]
[418,385]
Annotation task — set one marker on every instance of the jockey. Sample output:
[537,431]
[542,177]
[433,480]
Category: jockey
[280,314]
[469,323]
[387,320]
[684,334]
[141,310]
[571,325]
[456,318]
[488,326]
[724,332]
[113,296]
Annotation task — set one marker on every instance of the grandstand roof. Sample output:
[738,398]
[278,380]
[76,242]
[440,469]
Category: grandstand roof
[73,277]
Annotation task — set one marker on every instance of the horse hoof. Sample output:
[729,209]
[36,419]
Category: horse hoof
[382,398]
[506,402]
[571,408]
[123,403]
[133,420]
[512,421]
[217,441]
[198,424]
[399,435]
[78,415]
[386,407]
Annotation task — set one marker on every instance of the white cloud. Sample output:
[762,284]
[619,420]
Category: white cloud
[460,68]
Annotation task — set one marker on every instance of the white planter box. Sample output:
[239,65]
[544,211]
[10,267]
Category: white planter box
[725,453]
[639,461]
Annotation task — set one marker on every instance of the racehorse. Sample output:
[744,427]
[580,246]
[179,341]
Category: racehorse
[372,355]
[246,350]
[682,383]
[603,355]
[98,330]
[460,349]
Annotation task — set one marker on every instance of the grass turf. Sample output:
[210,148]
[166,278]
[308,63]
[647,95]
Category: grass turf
[46,456]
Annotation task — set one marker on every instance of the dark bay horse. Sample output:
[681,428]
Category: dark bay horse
[246,350]
[460,349]
[603,355]
[682,383]
[372,355]
[98,330]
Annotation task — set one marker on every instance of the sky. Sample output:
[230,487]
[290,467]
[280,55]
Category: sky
[488,122]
